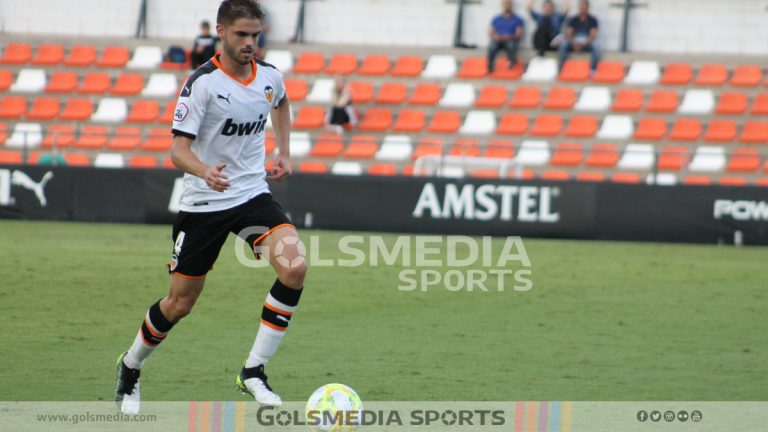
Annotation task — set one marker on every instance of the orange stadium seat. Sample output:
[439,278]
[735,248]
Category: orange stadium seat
[763,182]
[677,74]
[650,129]
[525,97]
[77,109]
[473,67]
[77,159]
[685,129]
[6,79]
[512,124]
[760,105]
[720,130]
[754,132]
[158,139]
[484,173]
[392,93]
[492,97]
[590,176]
[3,133]
[744,160]
[609,72]
[374,65]
[501,149]
[139,161]
[313,167]
[81,56]
[382,169]
[731,103]
[502,71]
[62,82]
[48,55]
[581,126]
[560,98]
[328,146]
[94,83]
[425,94]
[465,147]
[60,136]
[547,125]
[113,57]
[428,146]
[376,120]
[167,116]
[711,75]
[625,177]
[44,108]
[168,163]
[127,84]
[603,156]
[732,181]
[697,180]
[341,64]
[574,71]
[410,120]
[125,139]
[663,101]
[361,147]
[309,63]
[92,137]
[143,111]
[555,175]
[445,122]
[361,91]
[567,154]
[628,100]
[11,157]
[747,76]
[673,158]
[408,66]
[309,117]
[16,53]
[12,107]
[296,89]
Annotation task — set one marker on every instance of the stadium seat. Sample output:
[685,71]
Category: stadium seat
[77,110]
[754,132]
[347,168]
[425,94]
[146,57]
[125,139]
[616,127]
[309,117]
[574,71]
[158,139]
[594,99]
[49,55]
[581,126]
[127,84]
[547,125]
[281,59]
[59,136]
[473,67]
[719,130]
[92,137]
[697,101]
[661,179]
[512,124]
[309,63]
[567,154]
[673,158]
[29,81]
[685,129]
[628,100]
[161,84]
[478,123]
[382,169]
[428,146]
[492,97]
[113,57]
[327,146]
[166,116]
[541,69]
[80,56]
[747,76]
[376,120]
[341,64]
[77,159]
[650,129]
[525,97]
[609,72]
[465,147]
[762,182]
[500,149]
[392,93]
[555,175]
[313,167]
[731,103]
[677,74]
[590,176]
[410,120]
[625,177]
[12,107]
[44,108]
[445,122]
[560,98]
[361,147]
[744,160]
[440,66]
[62,82]
[322,91]
[643,73]
[732,181]
[361,92]
[94,83]
[407,67]
[711,75]
[110,110]
[602,156]
[663,101]
[374,65]
[143,111]
[3,133]
[760,105]
[707,159]
[504,72]
[16,53]
[301,144]
[109,160]
[6,79]
[141,161]
[637,157]
[296,89]
[395,147]
[11,157]
[458,95]
[29,135]
[533,153]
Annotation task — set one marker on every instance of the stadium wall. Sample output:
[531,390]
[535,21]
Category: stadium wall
[675,26]
[578,210]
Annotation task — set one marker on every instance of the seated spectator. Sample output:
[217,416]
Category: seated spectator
[580,35]
[261,44]
[341,113]
[205,46]
[549,23]
[506,32]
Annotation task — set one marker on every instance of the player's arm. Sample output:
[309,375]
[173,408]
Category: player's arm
[184,159]
[281,124]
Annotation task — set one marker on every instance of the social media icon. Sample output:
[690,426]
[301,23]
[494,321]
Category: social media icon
[682,416]
[669,416]
[655,416]
[642,416]
[697,416]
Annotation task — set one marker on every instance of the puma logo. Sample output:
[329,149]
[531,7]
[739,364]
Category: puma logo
[225,98]
[19,178]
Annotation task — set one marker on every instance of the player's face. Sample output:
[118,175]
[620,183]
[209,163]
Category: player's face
[238,39]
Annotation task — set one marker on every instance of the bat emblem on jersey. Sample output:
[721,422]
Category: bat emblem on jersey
[218,96]
[269,93]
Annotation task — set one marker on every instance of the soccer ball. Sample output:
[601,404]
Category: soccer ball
[334,408]
[285,261]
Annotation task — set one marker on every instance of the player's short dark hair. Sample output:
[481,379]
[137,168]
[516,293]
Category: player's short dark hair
[230,10]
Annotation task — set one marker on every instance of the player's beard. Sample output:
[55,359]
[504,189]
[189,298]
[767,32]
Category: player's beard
[235,55]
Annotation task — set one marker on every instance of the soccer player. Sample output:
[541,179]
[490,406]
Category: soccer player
[218,141]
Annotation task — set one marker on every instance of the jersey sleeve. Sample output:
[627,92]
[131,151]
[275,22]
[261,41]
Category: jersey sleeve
[280,93]
[190,109]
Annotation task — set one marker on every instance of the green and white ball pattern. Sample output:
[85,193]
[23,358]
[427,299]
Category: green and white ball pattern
[333,398]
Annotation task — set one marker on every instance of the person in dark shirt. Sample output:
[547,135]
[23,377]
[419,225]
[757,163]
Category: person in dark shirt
[549,23]
[580,35]
[506,32]
[205,46]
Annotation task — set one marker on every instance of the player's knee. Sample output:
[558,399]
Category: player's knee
[293,276]
[179,307]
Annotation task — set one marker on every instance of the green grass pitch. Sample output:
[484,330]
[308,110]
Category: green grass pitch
[604,321]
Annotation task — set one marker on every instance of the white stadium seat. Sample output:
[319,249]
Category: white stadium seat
[697,101]
[637,157]
[440,67]
[541,69]
[161,85]
[708,159]
[661,179]
[616,127]
[533,153]
[395,147]
[111,110]
[300,144]
[479,123]
[28,135]
[29,81]
[146,57]
[458,95]
[643,73]
[347,168]
[281,59]
[594,99]
[322,91]
[109,160]
[450,172]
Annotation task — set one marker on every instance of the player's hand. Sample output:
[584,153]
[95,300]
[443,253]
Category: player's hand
[215,179]
[281,169]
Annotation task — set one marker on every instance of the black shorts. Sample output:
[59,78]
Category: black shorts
[199,237]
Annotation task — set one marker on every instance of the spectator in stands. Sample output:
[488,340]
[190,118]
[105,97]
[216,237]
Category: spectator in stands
[580,35]
[506,32]
[549,23]
[342,112]
[261,44]
[205,45]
